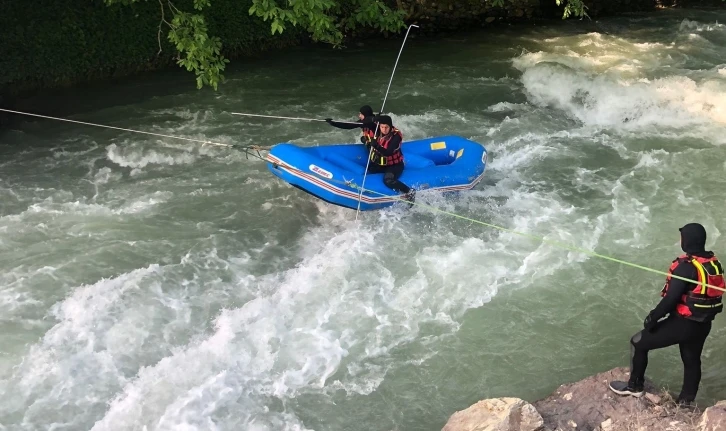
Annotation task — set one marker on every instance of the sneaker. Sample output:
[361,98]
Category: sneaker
[624,388]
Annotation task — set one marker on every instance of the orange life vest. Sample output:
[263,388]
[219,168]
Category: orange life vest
[383,141]
[702,303]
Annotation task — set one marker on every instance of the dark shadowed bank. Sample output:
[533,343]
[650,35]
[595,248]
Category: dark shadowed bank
[49,44]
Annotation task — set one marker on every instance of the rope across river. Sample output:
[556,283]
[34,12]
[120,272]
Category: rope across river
[252,150]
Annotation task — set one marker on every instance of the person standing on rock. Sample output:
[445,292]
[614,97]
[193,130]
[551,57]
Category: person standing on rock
[690,307]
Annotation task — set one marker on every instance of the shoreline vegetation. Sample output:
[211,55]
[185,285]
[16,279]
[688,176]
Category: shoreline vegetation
[66,44]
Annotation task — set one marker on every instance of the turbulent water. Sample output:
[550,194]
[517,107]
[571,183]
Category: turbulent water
[152,283]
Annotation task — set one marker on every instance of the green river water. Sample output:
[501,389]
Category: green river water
[152,283]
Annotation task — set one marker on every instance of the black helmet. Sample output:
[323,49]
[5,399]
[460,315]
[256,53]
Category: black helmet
[385,119]
[366,110]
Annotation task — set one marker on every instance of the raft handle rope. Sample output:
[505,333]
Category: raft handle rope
[248,151]
[370,153]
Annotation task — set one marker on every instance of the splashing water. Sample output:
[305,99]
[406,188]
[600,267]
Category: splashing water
[151,284]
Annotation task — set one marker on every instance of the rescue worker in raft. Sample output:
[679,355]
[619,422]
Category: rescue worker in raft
[690,307]
[365,122]
[387,157]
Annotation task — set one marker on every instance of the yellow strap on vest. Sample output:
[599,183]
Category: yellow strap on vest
[715,267]
[720,304]
[701,274]
[377,159]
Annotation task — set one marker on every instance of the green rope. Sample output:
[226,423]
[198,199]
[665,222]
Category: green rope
[247,149]
[546,241]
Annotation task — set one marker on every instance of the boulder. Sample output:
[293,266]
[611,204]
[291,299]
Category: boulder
[589,404]
[496,414]
[714,418]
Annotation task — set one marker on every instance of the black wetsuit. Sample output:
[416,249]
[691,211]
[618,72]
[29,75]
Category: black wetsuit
[365,124]
[690,335]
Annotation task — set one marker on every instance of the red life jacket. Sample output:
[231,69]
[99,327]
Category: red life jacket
[383,141]
[702,303]
[368,135]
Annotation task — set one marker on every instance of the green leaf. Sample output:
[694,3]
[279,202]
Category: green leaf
[324,20]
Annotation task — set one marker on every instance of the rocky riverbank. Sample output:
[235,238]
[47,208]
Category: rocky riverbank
[589,405]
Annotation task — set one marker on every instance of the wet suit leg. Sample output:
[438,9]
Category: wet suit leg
[376,169]
[691,357]
[390,176]
[690,337]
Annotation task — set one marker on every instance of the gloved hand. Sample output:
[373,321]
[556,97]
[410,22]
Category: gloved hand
[649,323]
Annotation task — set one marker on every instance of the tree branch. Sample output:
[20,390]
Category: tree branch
[160,24]
[174,8]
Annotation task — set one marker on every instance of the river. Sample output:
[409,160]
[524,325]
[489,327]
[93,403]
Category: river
[153,283]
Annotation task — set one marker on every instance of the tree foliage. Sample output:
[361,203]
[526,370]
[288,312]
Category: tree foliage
[198,52]
[573,7]
[327,20]
[324,20]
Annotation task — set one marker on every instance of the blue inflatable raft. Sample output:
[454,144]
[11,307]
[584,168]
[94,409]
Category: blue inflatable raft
[333,173]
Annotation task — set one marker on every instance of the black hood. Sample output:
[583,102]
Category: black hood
[693,238]
[385,119]
[366,110]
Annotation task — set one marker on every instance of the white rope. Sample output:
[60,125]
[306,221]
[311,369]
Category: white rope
[381,111]
[433,208]
[118,128]
[289,118]
[396,65]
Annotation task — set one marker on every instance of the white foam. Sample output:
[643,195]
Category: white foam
[305,323]
[613,86]
[140,159]
[13,298]
[602,101]
[78,208]
[105,175]
[195,117]
[688,25]
[148,349]
[650,159]
[69,366]
[630,213]
[506,106]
